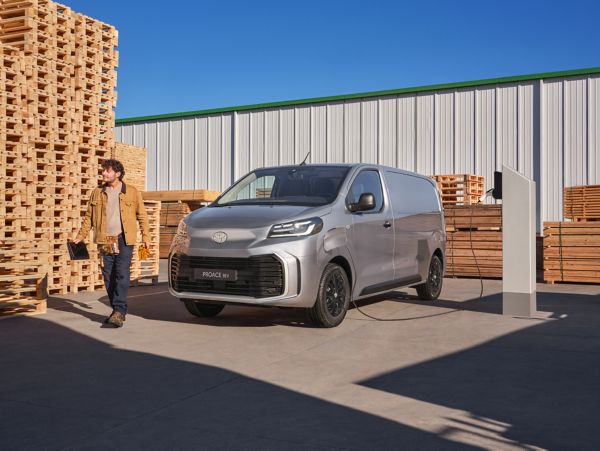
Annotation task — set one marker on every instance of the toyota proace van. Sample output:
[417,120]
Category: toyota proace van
[311,236]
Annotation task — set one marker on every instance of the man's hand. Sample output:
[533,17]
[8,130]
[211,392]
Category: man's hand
[145,243]
[76,241]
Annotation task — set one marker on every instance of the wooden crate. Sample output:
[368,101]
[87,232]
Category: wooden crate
[23,278]
[474,241]
[57,79]
[582,203]
[572,252]
[134,160]
[460,189]
[148,269]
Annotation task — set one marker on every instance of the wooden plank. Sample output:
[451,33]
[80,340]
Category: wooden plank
[198,195]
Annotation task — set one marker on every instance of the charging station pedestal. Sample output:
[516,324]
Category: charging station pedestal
[518,244]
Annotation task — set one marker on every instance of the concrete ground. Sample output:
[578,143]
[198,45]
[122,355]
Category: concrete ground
[453,373]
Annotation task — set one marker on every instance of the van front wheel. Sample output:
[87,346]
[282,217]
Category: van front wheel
[201,309]
[333,297]
[432,287]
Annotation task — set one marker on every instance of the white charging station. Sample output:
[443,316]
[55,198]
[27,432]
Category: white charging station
[518,244]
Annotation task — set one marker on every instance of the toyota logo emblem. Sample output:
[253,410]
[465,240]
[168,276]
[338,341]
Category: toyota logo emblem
[219,237]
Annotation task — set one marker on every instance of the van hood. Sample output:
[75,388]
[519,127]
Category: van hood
[250,216]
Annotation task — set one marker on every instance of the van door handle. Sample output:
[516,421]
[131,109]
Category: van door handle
[387,224]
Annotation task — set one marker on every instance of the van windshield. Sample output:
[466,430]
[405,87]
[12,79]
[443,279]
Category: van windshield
[288,185]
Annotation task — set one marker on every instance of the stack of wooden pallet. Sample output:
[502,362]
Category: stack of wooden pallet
[176,205]
[58,77]
[572,249]
[460,189]
[474,240]
[582,203]
[148,269]
[572,252]
[134,159]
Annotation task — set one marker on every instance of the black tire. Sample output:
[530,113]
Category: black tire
[333,297]
[431,289]
[202,309]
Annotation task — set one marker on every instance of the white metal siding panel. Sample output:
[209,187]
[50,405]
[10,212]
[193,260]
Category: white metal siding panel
[444,133]
[335,133]
[118,130]
[406,133]
[175,155]
[553,150]
[164,156]
[201,147]
[242,136]
[151,155]
[318,133]
[575,140]
[525,127]
[485,134]
[464,129]
[128,133]
[352,131]
[188,155]
[257,141]
[303,134]
[139,138]
[215,140]
[425,134]
[227,157]
[506,123]
[272,137]
[287,152]
[369,132]
[388,131]
[593,102]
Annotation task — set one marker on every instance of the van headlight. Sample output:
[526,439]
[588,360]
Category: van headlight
[304,227]
[181,240]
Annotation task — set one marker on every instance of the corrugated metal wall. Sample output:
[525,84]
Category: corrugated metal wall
[546,129]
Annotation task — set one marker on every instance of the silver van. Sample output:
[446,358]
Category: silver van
[311,236]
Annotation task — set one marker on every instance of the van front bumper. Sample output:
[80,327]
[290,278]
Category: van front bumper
[300,275]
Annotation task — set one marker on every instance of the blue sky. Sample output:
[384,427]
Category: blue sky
[192,55]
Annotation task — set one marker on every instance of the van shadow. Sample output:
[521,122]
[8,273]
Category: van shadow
[542,382]
[62,389]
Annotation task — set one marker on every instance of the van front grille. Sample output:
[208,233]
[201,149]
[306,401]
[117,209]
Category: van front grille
[258,276]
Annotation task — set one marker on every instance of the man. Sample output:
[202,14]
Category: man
[112,212]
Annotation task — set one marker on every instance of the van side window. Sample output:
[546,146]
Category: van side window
[366,182]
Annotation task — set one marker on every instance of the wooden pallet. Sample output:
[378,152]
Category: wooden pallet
[572,252]
[148,269]
[135,158]
[460,189]
[582,203]
[473,240]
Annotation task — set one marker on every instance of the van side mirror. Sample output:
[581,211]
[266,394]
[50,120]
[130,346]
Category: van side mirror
[366,202]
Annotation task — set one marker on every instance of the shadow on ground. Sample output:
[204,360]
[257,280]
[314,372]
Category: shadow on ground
[540,385]
[63,389]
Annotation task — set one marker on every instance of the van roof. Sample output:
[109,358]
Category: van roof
[349,165]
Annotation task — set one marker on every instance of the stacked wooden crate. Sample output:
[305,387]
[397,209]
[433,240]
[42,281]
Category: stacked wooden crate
[460,189]
[58,98]
[473,240]
[148,269]
[134,159]
[176,205]
[572,248]
[582,203]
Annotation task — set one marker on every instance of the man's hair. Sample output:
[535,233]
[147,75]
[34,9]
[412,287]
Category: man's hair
[116,166]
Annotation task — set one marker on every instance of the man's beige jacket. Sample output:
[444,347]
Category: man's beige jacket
[132,209]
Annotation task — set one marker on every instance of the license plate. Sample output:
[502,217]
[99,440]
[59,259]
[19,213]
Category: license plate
[215,274]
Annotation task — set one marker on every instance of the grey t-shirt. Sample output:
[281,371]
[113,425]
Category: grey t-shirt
[113,212]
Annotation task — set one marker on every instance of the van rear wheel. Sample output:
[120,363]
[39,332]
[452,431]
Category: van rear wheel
[333,297]
[202,309]
[432,287]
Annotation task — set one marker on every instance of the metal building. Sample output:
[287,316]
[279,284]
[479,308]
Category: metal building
[546,126]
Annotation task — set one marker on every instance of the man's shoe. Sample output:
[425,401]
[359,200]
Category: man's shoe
[116,319]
